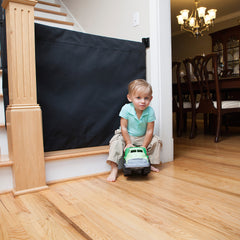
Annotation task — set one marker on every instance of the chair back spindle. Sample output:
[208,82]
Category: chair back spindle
[181,103]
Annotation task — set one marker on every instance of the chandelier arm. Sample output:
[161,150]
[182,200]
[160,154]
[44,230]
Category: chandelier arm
[188,30]
[206,28]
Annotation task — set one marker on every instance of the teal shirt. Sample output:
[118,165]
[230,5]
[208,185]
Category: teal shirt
[137,127]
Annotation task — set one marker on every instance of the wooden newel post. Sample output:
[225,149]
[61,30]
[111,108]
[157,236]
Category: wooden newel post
[24,118]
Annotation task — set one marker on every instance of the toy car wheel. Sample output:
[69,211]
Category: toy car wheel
[127,172]
[145,171]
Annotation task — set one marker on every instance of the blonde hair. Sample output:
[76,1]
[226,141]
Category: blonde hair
[139,85]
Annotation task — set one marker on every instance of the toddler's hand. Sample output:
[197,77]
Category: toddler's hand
[144,147]
[128,146]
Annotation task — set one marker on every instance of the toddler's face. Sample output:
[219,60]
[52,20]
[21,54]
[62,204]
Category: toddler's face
[140,100]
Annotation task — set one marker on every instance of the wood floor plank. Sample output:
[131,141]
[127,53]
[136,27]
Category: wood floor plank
[188,205]
[228,171]
[196,197]
[112,214]
[10,226]
[81,216]
[223,184]
[131,224]
[43,221]
[221,158]
[154,212]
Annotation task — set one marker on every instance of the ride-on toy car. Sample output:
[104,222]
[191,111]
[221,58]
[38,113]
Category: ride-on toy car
[136,160]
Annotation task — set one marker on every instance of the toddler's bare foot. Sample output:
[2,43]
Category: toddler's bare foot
[113,174]
[154,169]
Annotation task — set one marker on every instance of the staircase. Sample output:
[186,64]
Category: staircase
[54,13]
[60,165]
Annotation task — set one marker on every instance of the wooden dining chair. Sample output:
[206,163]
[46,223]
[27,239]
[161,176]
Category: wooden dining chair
[181,102]
[197,64]
[209,88]
[193,76]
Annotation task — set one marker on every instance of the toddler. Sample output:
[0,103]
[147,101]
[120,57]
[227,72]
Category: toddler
[137,125]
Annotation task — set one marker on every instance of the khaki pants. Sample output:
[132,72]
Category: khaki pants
[117,145]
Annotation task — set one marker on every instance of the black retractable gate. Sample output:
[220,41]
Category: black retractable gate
[3,64]
[82,83]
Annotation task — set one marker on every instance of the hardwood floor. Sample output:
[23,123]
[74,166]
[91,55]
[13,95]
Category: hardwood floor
[195,197]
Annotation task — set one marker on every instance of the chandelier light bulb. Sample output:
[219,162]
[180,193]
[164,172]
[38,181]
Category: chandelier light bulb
[184,14]
[201,11]
[207,19]
[192,22]
[212,13]
[180,19]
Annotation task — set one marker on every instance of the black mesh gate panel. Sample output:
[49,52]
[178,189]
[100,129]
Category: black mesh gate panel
[82,83]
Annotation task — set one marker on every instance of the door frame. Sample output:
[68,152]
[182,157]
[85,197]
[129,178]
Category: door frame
[161,73]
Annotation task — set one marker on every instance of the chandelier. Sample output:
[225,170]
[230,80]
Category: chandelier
[198,20]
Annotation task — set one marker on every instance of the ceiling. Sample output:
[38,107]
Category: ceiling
[225,9]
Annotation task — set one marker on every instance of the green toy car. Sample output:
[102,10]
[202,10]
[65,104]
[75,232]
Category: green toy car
[136,160]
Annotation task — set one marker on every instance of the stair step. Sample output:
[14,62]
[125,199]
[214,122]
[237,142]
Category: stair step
[48,7]
[55,17]
[54,21]
[4,161]
[74,153]
[50,11]
[49,4]
[52,1]
[63,154]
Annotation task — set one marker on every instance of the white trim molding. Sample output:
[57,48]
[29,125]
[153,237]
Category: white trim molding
[76,167]
[161,73]
[6,179]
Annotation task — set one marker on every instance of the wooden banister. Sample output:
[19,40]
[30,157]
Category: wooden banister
[23,115]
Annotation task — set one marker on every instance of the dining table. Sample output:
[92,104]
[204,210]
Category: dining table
[230,83]
[226,84]
[230,88]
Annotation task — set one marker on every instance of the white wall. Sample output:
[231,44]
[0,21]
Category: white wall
[111,18]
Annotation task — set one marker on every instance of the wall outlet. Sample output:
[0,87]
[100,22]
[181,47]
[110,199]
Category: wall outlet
[136,19]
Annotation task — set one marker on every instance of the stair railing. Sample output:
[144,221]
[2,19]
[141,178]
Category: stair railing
[23,114]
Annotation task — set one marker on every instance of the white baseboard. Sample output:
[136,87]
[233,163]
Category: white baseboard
[6,179]
[76,167]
